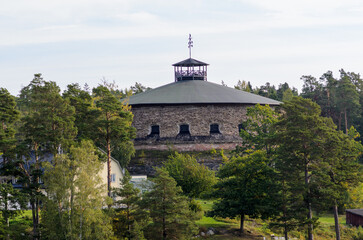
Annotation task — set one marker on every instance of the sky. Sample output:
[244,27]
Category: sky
[128,41]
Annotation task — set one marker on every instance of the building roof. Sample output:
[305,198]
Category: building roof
[189,63]
[197,92]
[355,211]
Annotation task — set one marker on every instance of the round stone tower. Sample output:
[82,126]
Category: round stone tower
[191,114]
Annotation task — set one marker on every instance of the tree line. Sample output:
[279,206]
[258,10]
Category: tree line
[50,150]
[294,162]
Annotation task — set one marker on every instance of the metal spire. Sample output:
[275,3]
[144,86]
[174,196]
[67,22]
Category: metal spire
[190,45]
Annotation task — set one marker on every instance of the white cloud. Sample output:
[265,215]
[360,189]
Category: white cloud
[247,37]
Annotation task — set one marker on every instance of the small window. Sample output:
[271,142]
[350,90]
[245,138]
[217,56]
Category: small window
[214,128]
[184,129]
[113,177]
[240,127]
[155,130]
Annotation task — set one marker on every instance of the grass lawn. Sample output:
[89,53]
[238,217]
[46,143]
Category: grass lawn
[225,225]
[214,222]
[228,227]
[329,219]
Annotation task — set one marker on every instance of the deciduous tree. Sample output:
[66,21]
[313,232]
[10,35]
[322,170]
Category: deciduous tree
[194,178]
[247,186]
[75,196]
[257,129]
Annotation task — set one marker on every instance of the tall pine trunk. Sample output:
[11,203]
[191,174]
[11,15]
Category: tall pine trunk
[340,121]
[346,120]
[33,216]
[35,202]
[308,202]
[109,168]
[336,220]
[108,145]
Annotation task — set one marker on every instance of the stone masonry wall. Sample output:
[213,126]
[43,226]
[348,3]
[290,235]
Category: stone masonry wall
[197,116]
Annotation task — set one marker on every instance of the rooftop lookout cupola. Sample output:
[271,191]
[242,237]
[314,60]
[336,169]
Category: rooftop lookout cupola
[190,69]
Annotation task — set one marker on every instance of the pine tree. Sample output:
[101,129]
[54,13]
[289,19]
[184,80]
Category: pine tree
[127,202]
[113,126]
[85,114]
[301,134]
[8,115]
[47,127]
[347,99]
[168,210]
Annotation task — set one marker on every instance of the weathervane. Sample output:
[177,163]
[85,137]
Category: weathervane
[190,45]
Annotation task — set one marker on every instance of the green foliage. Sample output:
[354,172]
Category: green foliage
[267,91]
[315,162]
[257,129]
[138,88]
[247,187]
[194,178]
[359,234]
[85,114]
[136,232]
[341,99]
[123,152]
[243,85]
[73,207]
[8,115]
[12,201]
[49,119]
[47,126]
[113,125]
[168,210]
[301,135]
[355,199]
[339,171]
[128,211]
[347,99]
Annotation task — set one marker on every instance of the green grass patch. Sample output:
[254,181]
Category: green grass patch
[213,222]
[328,219]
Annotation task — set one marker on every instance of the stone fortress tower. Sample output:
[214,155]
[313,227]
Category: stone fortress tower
[191,114]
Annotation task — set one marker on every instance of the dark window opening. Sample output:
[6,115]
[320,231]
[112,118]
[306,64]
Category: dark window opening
[240,127]
[214,128]
[155,131]
[184,129]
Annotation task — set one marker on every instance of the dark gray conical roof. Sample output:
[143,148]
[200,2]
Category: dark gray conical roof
[197,92]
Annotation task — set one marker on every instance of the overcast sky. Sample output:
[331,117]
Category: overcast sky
[128,41]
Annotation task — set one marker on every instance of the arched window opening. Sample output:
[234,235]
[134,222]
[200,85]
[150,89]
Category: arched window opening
[214,128]
[184,129]
[155,131]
